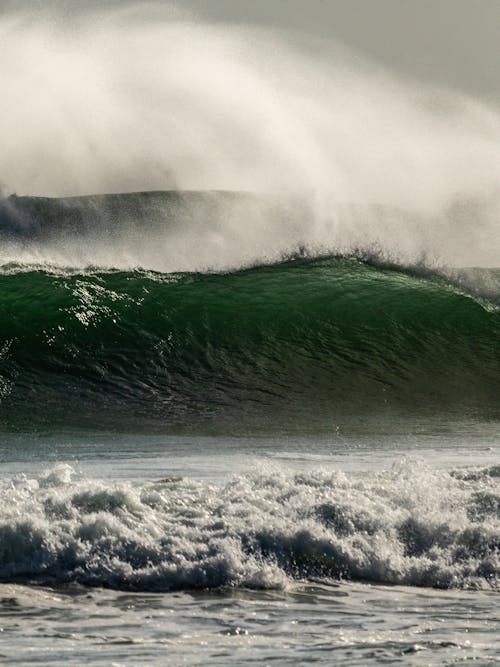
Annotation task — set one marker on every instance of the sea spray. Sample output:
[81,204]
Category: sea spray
[146,98]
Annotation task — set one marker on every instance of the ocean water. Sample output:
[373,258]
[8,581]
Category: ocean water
[287,461]
[129,549]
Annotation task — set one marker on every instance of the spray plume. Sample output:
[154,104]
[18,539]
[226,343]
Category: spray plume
[148,98]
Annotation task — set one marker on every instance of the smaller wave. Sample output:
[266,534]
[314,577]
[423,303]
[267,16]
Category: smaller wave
[217,230]
[162,231]
[410,525]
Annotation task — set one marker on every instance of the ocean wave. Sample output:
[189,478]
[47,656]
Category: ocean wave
[294,342]
[410,525]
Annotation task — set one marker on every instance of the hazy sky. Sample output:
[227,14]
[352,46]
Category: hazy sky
[455,42]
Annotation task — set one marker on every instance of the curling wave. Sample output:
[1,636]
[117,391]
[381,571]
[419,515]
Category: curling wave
[302,342]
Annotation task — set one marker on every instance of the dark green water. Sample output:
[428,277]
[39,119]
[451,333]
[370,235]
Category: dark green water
[297,345]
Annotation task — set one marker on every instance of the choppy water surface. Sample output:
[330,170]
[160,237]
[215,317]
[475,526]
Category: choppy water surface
[347,624]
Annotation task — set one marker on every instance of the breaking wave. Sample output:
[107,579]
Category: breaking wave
[304,340]
[410,526]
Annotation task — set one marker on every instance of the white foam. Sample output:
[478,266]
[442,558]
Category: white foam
[410,525]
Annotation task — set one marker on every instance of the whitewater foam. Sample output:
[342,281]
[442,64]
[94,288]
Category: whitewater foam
[410,525]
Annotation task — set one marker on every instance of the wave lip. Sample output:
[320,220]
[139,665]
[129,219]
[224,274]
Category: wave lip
[409,526]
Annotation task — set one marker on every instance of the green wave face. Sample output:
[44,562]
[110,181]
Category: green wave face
[306,343]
